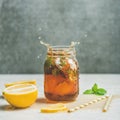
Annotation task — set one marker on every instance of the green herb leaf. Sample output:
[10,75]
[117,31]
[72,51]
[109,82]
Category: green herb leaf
[95,87]
[62,60]
[55,72]
[101,91]
[89,91]
[95,90]
[48,62]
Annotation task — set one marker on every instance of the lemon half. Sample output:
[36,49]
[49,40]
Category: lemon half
[21,82]
[21,95]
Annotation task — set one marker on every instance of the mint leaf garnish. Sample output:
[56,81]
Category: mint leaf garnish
[95,90]
[89,91]
[101,91]
[48,62]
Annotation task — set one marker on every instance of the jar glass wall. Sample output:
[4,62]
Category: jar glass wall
[61,74]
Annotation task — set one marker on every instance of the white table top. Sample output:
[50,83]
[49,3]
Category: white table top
[111,82]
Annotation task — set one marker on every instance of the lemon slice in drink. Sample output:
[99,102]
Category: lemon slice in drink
[21,82]
[54,108]
[21,95]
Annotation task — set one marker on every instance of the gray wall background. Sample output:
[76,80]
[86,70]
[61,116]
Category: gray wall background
[95,23]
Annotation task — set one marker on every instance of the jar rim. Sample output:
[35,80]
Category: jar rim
[61,47]
[61,50]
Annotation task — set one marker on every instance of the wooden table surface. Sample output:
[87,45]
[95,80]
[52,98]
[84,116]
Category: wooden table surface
[111,82]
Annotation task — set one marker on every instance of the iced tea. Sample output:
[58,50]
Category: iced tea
[61,74]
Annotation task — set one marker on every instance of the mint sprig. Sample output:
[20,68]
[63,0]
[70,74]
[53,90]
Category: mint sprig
[95,90]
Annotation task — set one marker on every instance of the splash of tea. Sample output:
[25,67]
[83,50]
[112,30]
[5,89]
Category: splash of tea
[73,44]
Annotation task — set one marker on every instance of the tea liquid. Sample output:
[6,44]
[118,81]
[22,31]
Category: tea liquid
[61,74]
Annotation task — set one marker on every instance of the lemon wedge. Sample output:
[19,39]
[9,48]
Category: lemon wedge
[21,95]
[21,82]
[54,108]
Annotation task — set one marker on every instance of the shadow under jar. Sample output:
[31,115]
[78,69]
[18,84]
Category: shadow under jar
[61,74]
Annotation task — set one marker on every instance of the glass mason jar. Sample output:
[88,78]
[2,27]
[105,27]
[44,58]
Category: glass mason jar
[61,74]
